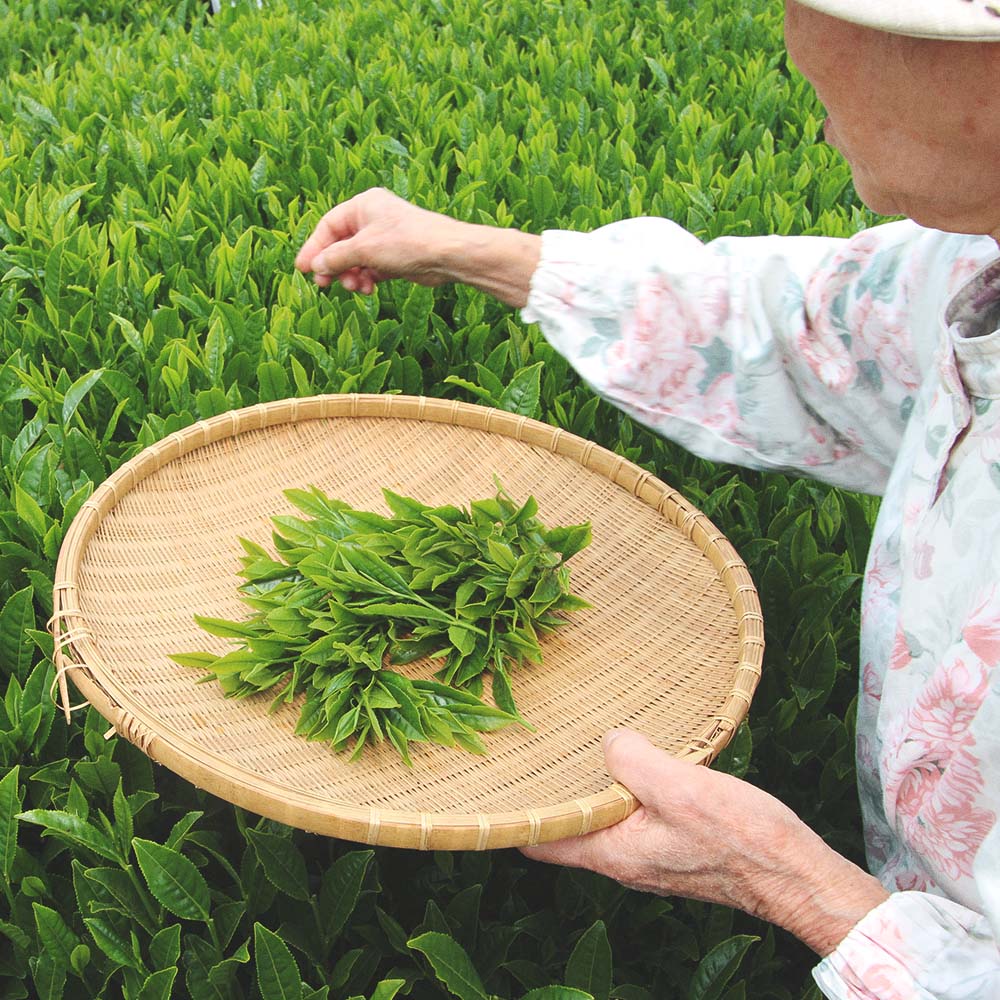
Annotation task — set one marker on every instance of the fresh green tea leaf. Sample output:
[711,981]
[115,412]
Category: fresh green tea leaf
[719,966]
[589,966]
[10,807]
[451,965]
[73,829]
[387,989]
[173,880]
[77,392]
[54,934]
[277,972]
[523,391]
[556,993]
[351,590]
[111,942]
[165,947]
[49,976]
[282,862]
[158,986]
[341,889]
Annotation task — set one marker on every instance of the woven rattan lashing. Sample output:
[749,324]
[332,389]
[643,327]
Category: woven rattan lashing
[671,647]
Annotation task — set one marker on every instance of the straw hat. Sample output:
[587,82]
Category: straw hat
[961,20]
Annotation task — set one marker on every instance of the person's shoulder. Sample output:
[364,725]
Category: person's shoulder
[944,260]
[921,264]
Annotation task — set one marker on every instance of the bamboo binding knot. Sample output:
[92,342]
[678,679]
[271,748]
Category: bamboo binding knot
[426,826]
[131,729]
[703,749]
[740,696]
[63,663]
[484,832]
[727,723]
[631,802]
[374,825]
[639,484]
[587,816]
[534,828]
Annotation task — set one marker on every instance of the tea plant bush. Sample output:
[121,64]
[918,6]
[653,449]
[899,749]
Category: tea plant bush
[158,171]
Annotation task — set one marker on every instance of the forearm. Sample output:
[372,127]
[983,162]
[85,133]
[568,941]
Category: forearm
[812,891]
[497,261]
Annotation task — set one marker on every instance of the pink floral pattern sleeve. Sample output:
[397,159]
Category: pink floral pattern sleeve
[914,947]
[871,363]
[789,353]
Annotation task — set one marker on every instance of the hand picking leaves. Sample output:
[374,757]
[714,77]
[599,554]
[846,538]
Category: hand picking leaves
[350,592]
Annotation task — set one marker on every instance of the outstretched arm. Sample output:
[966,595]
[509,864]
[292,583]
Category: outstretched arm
[377,235]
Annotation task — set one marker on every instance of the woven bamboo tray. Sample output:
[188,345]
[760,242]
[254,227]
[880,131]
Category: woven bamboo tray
[672,646]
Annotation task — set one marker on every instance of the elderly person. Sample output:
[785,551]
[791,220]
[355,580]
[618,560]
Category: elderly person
[872,363]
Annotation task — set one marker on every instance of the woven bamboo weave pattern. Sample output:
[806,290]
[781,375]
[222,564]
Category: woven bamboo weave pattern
[672,645]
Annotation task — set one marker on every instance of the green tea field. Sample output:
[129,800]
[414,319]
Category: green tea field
[159,169]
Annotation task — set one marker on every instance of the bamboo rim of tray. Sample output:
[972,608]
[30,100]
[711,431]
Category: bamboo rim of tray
[79,653]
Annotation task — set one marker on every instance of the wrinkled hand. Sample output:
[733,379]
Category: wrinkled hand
[696,833]
[707,835]
[377,235]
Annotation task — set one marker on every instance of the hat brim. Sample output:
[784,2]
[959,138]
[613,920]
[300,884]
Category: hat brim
[958,20]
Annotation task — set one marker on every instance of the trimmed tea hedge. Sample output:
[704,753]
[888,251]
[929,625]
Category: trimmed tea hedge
[158,170]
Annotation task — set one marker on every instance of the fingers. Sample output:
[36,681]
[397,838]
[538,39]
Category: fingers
[650,774]
[375,236]
[558,852]
[333,252]
[587,851]
[322,236]
[351,280]
[337,258]
[358,279]
[634,762]
[339,224]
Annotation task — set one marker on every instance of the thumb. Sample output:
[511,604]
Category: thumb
[638,765]
[337,258]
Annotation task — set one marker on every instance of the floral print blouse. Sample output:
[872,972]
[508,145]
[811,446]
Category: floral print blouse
[872,363]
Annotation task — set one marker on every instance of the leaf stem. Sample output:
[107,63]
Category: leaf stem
[323,934]
[214,932]
[9,893]
[154,916]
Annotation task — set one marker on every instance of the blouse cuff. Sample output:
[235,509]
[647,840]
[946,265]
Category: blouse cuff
[914,946]
[596,273]
[567,272]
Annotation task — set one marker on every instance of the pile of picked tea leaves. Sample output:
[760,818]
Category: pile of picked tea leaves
[351,592]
